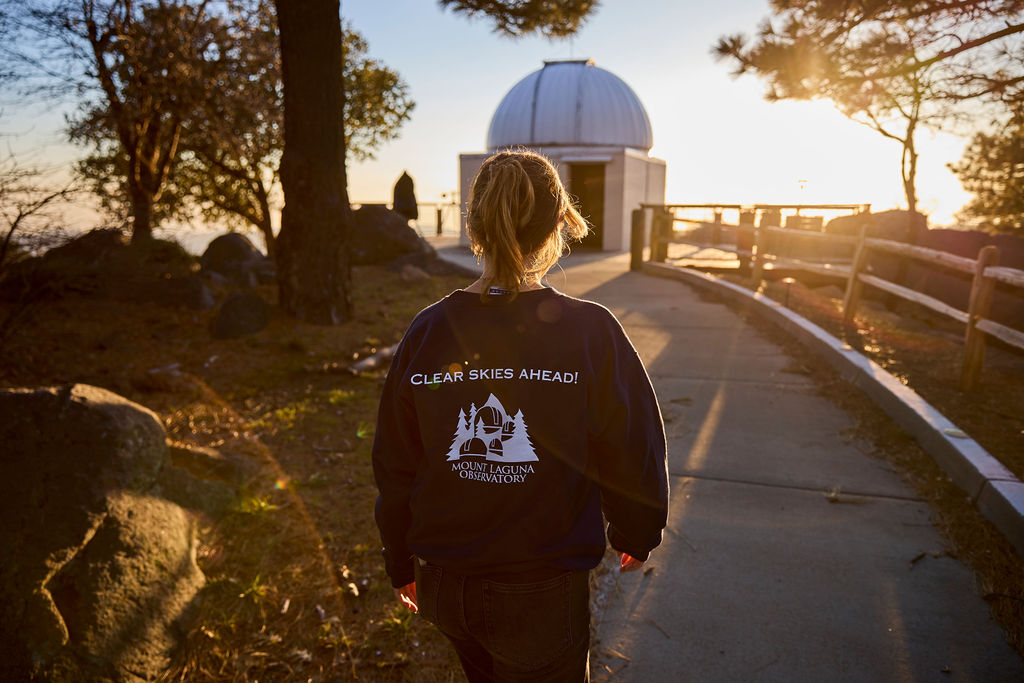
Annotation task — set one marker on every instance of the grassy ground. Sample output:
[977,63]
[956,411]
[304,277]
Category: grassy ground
[295,584]
[296,588]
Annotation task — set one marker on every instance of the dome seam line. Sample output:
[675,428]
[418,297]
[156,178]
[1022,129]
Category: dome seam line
[533,106]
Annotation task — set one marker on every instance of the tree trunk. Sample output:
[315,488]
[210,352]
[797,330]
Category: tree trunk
[312,261]
[264,223]
[142,214]
[909,173]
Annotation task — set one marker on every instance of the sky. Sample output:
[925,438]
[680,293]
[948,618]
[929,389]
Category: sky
[721,140]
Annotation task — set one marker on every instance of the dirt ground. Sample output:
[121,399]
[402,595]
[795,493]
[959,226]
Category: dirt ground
[295,585]
[296,588]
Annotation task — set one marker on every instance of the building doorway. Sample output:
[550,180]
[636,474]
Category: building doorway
[586,183]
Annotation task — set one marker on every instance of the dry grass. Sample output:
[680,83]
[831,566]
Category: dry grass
[295,584]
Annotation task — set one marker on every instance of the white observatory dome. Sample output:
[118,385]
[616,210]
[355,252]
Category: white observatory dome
[570,103]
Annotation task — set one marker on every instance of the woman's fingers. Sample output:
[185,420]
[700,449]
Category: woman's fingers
[628,563]
[407,595]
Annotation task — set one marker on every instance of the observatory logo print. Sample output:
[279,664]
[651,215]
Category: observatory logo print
[503,442]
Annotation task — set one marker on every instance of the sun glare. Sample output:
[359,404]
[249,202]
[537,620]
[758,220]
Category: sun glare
[798,153]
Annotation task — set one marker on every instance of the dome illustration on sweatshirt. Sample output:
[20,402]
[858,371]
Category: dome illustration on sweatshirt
[489,432]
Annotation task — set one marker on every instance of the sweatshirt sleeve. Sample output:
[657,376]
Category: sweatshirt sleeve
[397,452]
[628,437]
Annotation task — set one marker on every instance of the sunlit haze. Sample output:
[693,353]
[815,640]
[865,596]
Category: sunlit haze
[721,140]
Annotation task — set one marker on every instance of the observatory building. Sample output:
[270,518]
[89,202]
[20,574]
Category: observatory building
[595,130]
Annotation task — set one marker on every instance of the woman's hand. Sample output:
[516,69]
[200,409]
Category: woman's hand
[407,596]
[628,563]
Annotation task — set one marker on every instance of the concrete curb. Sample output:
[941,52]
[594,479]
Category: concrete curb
[994,490]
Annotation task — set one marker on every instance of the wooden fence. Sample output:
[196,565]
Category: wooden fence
[659,221]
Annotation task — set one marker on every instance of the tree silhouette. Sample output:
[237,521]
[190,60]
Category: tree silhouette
[992,169]
[891,65]
[145,67]
[312,260]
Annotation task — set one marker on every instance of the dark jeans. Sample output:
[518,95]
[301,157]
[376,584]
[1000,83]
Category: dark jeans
[511,631]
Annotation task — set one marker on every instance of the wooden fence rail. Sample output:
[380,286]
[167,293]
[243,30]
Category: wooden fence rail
[985,270]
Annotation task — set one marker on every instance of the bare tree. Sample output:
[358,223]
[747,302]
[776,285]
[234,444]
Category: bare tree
[26,203]
[28,198]
[893,66]
[139,68]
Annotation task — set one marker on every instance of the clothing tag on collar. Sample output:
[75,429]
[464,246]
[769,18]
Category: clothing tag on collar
[498,291]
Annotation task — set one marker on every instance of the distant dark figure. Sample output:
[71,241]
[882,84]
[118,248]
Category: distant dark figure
[405,197]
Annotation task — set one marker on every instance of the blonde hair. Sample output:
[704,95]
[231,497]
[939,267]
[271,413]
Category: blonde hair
[520,217]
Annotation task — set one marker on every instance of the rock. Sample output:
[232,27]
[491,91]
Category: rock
[136,577]
[209,463]
[168,379]
[242,313]
[429,262]
[265,271]
[93,570]
[90,250]
[211,498]
[411,273]
[890,225]
[404,197]
[196,295]
[236,258]
[226,251]
[191,291]
[83,264]
[215,280]
[381,235]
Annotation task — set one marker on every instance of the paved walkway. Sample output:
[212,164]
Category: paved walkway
[760,577]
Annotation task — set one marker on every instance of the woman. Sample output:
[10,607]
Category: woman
[512,417]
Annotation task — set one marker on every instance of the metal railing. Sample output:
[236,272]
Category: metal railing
[435,218]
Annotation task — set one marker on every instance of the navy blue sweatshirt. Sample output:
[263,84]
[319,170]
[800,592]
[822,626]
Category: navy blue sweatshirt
[506,428]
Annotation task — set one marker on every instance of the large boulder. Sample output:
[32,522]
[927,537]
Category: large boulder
[124,598]
[191,291]
[243,313]
[234,257]
[94,572]
[101,263]
[896,225]
[381,235]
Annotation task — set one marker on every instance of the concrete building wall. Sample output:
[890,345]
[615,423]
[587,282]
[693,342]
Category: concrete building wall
[644,184]
[615,180]
[469,164]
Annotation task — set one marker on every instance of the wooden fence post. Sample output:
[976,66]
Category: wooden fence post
[982,289]
[853,285]
[757,271]
[716,228]
[655,237]
[745,239]
[661,231]
[636,240]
